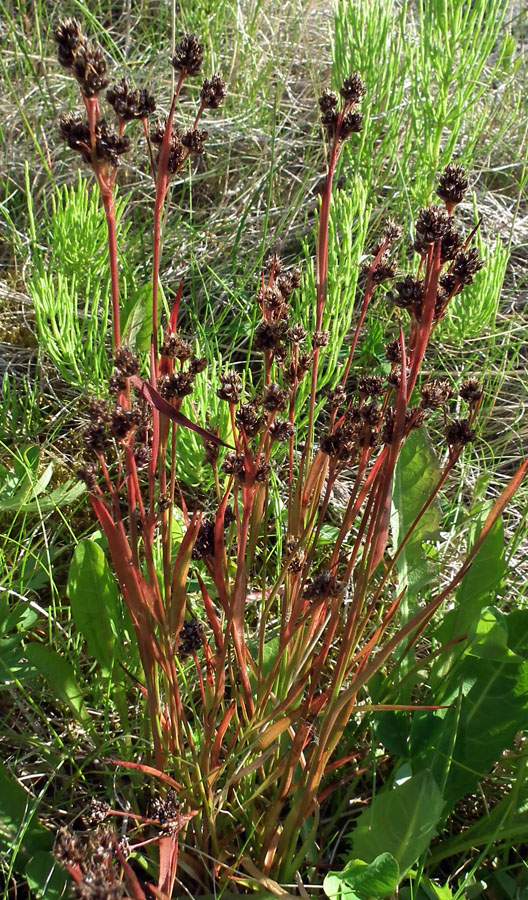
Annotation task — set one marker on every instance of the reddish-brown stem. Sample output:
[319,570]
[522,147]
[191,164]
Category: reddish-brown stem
[107,195]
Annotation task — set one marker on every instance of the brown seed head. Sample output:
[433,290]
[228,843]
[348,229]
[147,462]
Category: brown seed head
[320,338]
[328,100]
[459,433]
[453,184]
[130,104]
[204,543]
[179,385]
[188,55]
[88,474]
[176,347]
[409,293]
[125,362]
[248,419]
[274,398]
[195,140]
[452,243]
[297,333]
[393,351]
[351,124]
[384,270]
[270,336]
[353,88]
[234,465]
[213,92]
[89,68]
[190,640]
[231,389]
[435,394]
[431,225]
[68,36]
[470,391]
[370,386]
[280,430]
[466,265]
[336,397]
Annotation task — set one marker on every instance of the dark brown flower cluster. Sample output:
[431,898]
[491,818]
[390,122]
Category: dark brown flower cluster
[213,92]
[94,854]
[231,387]
[86,61]
[175,385]
[188,56]
[435,226]
[130,104]
[116,423]
[452,185]
[274,335]
[108,147]
[190,638]
[414,418]
[204,543]
[321,586]
[85,58]
[165,810]
[341,123]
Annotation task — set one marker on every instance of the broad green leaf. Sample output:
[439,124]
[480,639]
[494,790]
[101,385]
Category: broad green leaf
[401,821]
[45,877]
[416,475]
[392,730]
[483,581]
[472,737]
[359,879]
[488,637]
[136,320]
[61,678]
[17,824]
[517,622]
[95,602]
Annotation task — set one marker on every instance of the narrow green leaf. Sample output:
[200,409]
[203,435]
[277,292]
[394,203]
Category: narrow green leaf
[401,821]
[61,678]
[95,603]
[359,879]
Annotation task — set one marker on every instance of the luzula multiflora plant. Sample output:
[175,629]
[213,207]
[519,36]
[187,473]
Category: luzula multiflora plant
[244,729]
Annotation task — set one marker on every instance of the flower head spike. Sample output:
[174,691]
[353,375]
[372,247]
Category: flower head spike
[213,92]
[452,185]
[68,36]
[129,104]
[188,57]
[353,88]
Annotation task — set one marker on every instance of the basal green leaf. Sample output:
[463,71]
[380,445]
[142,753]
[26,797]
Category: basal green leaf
[401,821]
[61,678]
[483,581]
[17,824]
[95,602]
[493,709]
[45,877]
[417,473]
[359,879]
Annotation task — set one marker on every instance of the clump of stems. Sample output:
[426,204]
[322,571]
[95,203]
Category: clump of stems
[248,742]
